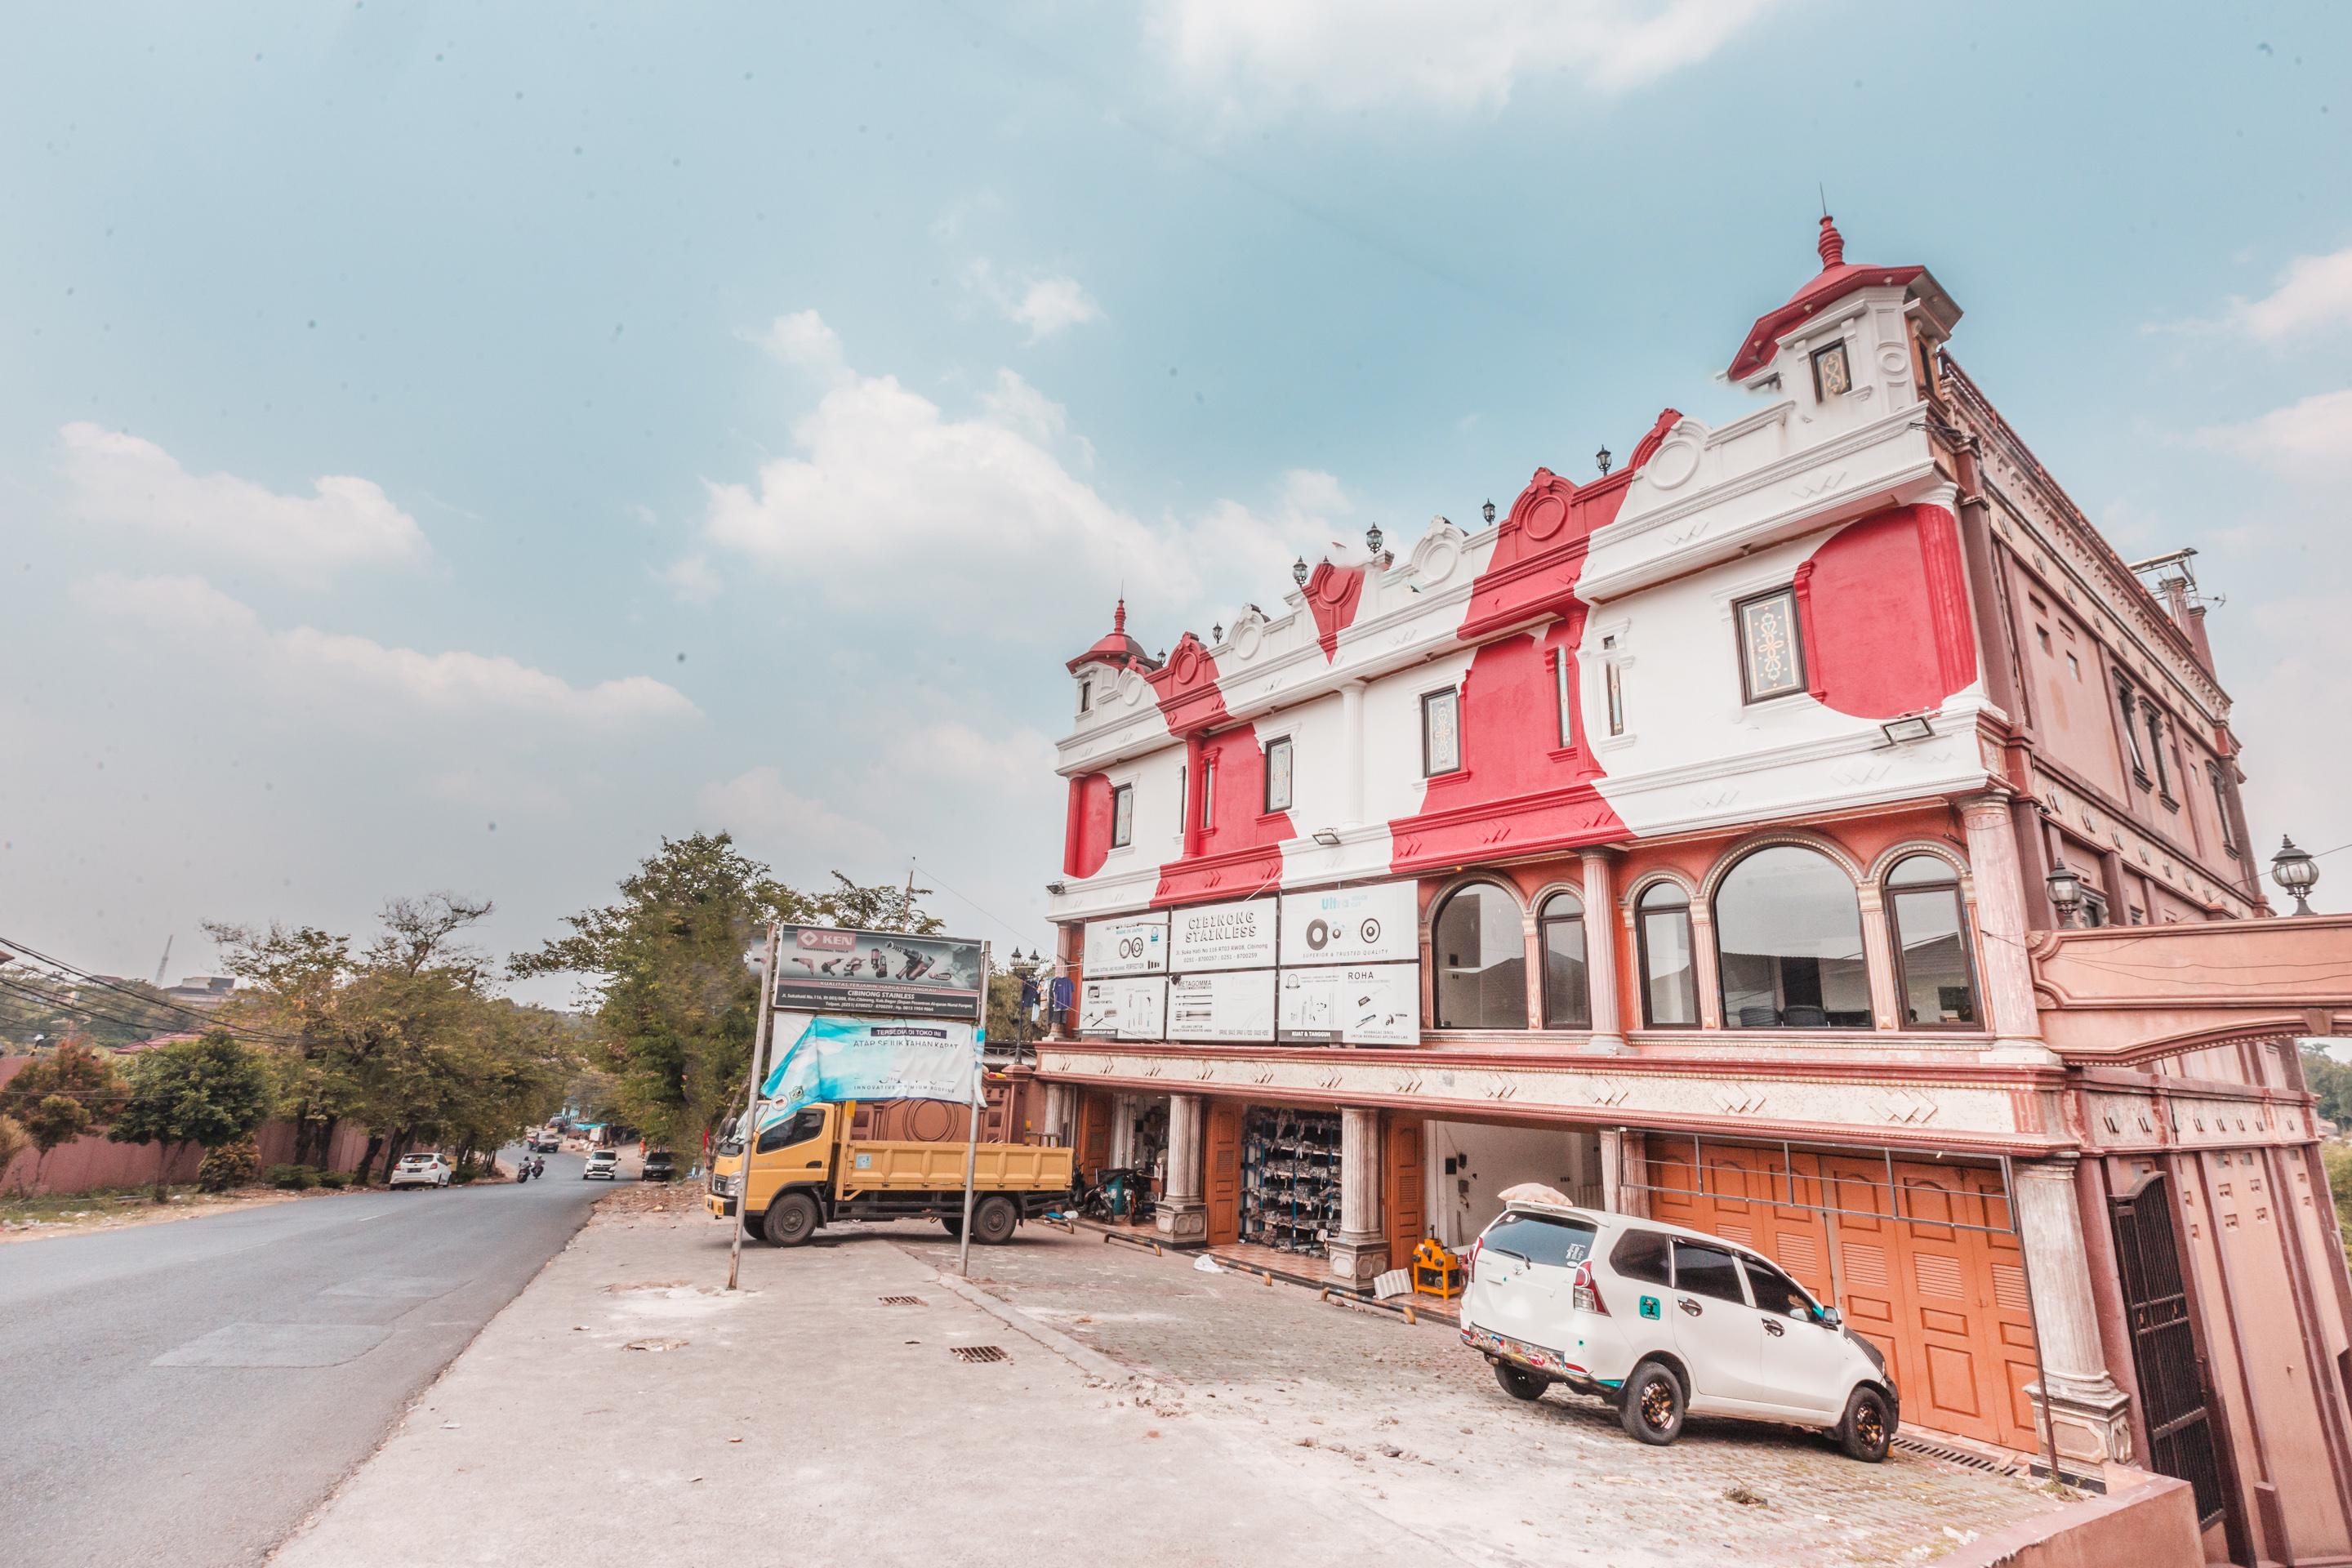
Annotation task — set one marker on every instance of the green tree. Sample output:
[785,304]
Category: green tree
[2331,1081]
[206,1091]
[60,1095]
[58,1008]
[13,1140]
[675,997]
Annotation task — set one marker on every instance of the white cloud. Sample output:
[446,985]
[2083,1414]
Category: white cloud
[1044,305]
[888,504]
[2312,294]
[692,579]
[361,676]
[122,480]
[1468,55]
[2310,440]
[803,340]
[769,817]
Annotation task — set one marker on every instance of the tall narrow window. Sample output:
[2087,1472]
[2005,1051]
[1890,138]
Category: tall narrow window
[1832,377]
[1568,1003]
[1208,791]
[1277,774]
[2222,805]
[2129,703]
[2156,744]
[1787,932]
[1930,929]
[1661,930]
[1122,815]
[1086,696]
[1183,793]
[1560,662]
[1441,732]
[1616,700]
[1482,960]
[1771,653]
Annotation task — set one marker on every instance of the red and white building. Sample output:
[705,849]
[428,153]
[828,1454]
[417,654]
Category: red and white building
[1683,837]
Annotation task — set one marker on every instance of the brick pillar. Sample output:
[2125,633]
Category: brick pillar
[1184,1213]
[2085,1409]
[1601,944]
[2000,926]
[1360,1252]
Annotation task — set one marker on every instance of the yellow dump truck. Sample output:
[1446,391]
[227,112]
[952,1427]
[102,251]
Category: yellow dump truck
[807,1170]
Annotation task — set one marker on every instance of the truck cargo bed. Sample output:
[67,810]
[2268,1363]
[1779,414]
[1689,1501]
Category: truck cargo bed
[893,1167]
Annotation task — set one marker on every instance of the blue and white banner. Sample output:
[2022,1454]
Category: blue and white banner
[875,1058]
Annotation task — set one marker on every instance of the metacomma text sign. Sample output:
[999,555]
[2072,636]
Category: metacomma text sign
[1223,936]
[820,969]
[1377,924]
[1138,945]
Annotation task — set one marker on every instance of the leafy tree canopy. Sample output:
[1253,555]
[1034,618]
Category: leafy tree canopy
[207,1092]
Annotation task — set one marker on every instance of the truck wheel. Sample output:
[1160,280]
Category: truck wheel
[992,1221]
[953,1223]
[791,1221]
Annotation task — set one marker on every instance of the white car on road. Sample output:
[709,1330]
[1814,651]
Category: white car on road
[428,1170]
[1660,1320]
[603,1162]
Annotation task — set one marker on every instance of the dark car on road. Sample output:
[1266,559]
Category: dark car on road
[659,1167]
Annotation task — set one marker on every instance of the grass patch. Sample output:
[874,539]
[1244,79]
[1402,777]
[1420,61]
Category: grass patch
[82,1209]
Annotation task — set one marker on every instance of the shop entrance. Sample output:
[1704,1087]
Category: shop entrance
[1220,1171]
[1920,1255]
[1290,1179]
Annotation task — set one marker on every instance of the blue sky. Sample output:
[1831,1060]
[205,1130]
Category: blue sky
[604,421]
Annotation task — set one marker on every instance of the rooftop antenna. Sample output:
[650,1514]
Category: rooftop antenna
[1824,189]
[164,962]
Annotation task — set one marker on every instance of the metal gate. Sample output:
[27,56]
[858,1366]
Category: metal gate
[2165,1351]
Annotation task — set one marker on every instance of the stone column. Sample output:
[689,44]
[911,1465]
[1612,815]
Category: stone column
[2085,1409]
[1878,961]
[1704,961]
[1532,947]
[1623,1171]
[1057,1113]
[1601,948]
[1360,1252]
[1122,1130]
[1184,1213]
[2000,927]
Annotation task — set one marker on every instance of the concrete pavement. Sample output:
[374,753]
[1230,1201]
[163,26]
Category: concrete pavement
[187,1392]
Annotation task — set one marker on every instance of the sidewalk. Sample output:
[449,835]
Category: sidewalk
[1147,1412]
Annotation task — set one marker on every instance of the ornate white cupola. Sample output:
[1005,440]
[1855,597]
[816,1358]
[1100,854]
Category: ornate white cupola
[1856,343]
[1113,654]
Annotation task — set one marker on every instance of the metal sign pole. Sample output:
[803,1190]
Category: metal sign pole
[746,1133]
[972,1134]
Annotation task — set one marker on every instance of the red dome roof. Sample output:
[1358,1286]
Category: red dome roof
[1837,278]
[1115,648]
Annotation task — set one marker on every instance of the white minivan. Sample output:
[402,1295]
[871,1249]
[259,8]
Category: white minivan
[1660,1320]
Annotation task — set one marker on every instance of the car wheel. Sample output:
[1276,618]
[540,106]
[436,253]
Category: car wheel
[1652,1407]
[1868,1426]
[792,1220]
[992,1221]
[1520,1383]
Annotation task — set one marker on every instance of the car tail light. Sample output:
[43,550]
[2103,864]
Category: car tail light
[1470,1261]
[1584,1295]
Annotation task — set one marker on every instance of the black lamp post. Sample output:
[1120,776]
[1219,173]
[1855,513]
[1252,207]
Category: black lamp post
[1298,570]
[1602,457]
[1487,512]
[2295,871]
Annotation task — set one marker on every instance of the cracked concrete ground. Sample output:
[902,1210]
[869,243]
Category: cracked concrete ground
[1145,1412]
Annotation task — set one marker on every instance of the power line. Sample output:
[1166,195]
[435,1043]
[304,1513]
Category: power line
[83,1010]
[975,903]
[194,1014]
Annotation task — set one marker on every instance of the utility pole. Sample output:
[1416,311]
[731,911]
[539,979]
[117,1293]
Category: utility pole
[746,1133]
[978,1103]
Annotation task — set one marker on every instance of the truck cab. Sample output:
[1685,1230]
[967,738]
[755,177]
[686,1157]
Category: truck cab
[807,1169]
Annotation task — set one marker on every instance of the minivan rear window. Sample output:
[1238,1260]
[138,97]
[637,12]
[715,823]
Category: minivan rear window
[1538,1238]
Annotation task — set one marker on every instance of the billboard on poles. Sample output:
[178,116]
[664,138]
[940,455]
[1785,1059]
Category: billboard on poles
[1132,944]
[1236,1004]
[1223,936]
[822,969]
[836,1059]
[1374,924]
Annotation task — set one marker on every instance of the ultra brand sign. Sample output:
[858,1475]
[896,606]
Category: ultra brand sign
[1223,936]
[1377,924]
[1133,946]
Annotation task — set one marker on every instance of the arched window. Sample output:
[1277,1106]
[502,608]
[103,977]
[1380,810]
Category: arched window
[1930,930]
[1482,960]
[1568,1004]
[1662,927]
[1788,929]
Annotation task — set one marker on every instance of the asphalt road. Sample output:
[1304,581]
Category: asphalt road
[187,1392]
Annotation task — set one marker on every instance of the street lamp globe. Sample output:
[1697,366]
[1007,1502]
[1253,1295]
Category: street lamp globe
[2296,872]
[2065,892]
[1299,571]
[1601,460]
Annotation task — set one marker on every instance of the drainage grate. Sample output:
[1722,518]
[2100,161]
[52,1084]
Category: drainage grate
[978,1353]
[1955,1456]
[902,1301]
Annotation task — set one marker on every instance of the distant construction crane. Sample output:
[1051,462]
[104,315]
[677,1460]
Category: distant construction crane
[164,962]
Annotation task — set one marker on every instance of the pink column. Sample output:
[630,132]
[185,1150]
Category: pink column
[1600,933]
[2000,926]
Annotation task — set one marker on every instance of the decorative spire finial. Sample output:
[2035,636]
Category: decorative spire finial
[1119,616]
[1833,245]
